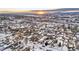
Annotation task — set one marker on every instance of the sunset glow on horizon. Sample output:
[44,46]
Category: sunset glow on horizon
[22,11]
[13,10]
[41,12]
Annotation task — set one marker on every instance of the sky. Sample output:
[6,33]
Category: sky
[23,5]
[39,4]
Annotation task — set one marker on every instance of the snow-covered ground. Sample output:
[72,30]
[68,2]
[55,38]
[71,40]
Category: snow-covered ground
[39,36]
